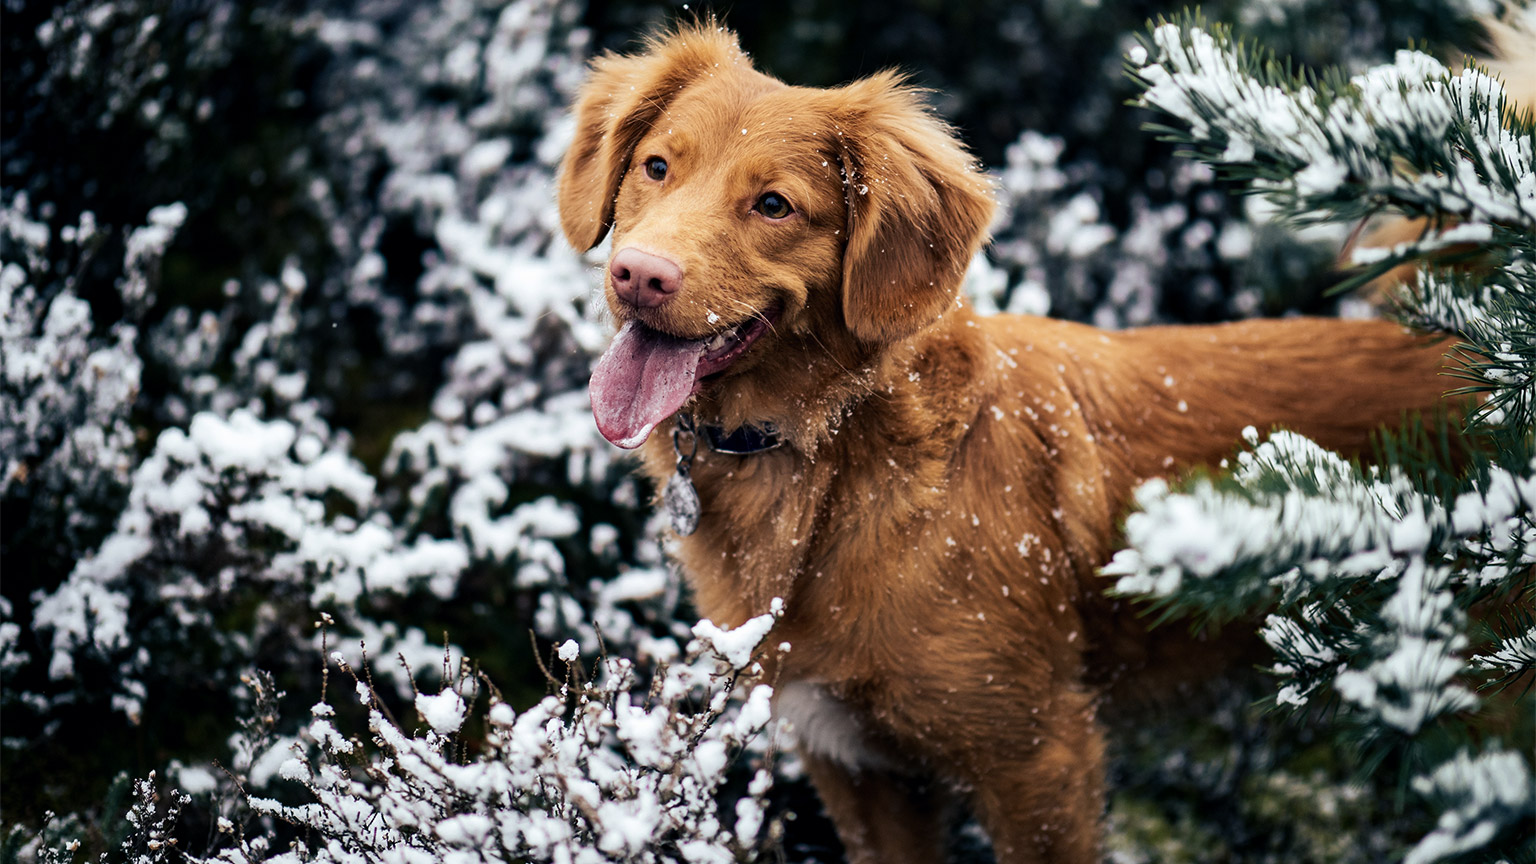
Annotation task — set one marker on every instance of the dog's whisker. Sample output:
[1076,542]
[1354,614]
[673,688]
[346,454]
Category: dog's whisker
[752,311]
[867,388]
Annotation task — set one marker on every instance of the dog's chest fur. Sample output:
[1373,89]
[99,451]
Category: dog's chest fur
[891,569]
[825,726]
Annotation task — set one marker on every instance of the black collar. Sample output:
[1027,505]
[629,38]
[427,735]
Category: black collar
[744,441]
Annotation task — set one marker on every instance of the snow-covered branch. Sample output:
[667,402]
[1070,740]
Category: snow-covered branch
[1408,135]
[591,773]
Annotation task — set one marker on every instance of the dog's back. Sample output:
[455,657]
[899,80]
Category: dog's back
[1160,401]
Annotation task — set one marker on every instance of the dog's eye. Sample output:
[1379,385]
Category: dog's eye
[774,206]
[656,168]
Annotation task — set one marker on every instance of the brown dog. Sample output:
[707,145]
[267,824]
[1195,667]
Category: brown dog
[947,485]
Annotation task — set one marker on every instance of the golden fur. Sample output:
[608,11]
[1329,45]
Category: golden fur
[951,483]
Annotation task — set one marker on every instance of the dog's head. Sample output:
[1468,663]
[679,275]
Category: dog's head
[745,211]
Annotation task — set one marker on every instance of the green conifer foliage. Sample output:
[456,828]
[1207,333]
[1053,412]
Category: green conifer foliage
[1399,594]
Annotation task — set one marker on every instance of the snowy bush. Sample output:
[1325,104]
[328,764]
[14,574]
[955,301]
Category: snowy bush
[597,771]
[180,470]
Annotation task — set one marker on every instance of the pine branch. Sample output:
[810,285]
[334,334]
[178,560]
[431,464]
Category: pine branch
[1366,576]
[1366,579]
[1492,311]
[1510,658]
[1409,136]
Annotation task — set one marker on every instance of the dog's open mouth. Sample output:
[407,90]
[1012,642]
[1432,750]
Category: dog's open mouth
[646,375]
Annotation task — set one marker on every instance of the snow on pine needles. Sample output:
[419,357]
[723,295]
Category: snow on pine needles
[1368,576]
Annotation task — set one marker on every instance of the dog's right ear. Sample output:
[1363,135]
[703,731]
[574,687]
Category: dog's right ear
[624,97]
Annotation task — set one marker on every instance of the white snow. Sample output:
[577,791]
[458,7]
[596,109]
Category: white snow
[444,712]
[735,646]
[1479,787]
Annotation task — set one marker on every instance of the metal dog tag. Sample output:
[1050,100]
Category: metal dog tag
[680,498]
[682,502]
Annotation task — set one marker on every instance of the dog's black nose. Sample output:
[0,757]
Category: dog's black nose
[642,279]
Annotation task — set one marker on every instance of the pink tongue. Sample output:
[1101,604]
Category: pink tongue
[641,380]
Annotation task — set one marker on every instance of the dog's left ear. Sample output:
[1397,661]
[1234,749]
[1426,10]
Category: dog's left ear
[918,209]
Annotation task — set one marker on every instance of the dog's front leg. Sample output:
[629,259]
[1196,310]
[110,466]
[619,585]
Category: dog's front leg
[883,817]
[1042,800]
